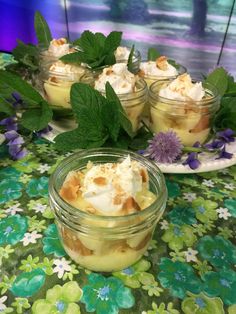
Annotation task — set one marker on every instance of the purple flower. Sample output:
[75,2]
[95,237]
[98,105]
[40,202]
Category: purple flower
[17,101]
[15,141]
[192,161]
[44,131]
[9,123]
[224,154]
[227,135]
[17,151]
[164,147]
[214,144]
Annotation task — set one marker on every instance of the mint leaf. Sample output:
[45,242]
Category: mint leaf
[75,139]
[140,141]
[124,120]
[231,90]
[219,78]
[6,106]
[173,63]
[95,50]
[26,54]
[153,54]
[130,60]
[110,114]
[226,116]
[42,30]
[35,119]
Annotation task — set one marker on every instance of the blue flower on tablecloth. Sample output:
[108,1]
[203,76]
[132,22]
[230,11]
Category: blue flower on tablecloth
[202,304]
[10,190]
[37,187]
[9,173]
[26,164]
[179,277]
[106,295]
[205,209]
[218,251]
[12,229]
[173,189]
[181,215]
[222,284]
[231,205]
[51,243]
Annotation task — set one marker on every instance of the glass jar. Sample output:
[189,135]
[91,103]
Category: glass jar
[191,120]
[105,243]
[57,84]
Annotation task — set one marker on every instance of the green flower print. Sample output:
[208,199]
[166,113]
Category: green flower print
[173,189]
[29,264]
[38,187]
[231,205]
[178,277]
[5,253]
[162,309]
[60,299]
[9,173]
[51,243]
[106,295]
[134,275]
[9,190]
[205,209]
[202,304]
[219,252]
[222,284]
[181,215]
[20,304]
[12,229]
[178,236]
[26,164]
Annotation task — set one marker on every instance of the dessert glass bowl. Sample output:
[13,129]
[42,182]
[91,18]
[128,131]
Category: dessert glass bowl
[105,243]
[191,120]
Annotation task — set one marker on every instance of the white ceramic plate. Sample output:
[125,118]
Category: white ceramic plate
[208,161]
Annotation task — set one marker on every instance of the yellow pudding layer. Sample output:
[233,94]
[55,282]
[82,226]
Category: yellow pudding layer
[58,94]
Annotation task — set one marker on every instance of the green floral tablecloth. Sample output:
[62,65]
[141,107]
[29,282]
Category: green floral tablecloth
[189,267]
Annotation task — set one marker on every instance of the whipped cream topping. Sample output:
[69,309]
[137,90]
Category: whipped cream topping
[108,187]
[122,53]
[62,68]
[59,47]
[121,80]
[160,67]
[183,89]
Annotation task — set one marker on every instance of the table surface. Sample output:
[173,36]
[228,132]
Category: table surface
[188,268]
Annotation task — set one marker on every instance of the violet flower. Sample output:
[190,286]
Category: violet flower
[227,135]
[17,151]
[9,123]
[15,144]
[192,160]
[164,147]
[17,100]
[44,131]
[224,154]
[215,144]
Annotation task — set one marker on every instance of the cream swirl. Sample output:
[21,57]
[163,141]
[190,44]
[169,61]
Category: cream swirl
[161,67]
[122,53]
[59,47]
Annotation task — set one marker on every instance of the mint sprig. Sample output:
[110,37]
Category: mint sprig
[36,113]
[42,30]
[219,78]
[102,121]
[95,49]
[153,54]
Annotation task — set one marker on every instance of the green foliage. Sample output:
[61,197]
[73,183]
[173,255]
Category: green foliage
[42,30]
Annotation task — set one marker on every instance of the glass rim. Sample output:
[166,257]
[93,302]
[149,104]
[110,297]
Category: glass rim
[54,193]
[208,87]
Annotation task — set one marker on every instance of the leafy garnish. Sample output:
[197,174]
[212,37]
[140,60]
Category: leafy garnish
[26,54]
[226,116]
[42,30]
[96,50]
[37,114]
[219,78]
[130,60]
[153,54]
[101,120]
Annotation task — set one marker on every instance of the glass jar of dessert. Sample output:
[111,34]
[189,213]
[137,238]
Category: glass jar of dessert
[152,71]
[186,107]
[107,203]
[57,82]
[130,89]
[122,55]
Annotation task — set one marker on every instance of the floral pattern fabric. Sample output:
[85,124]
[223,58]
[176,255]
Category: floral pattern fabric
[188,268]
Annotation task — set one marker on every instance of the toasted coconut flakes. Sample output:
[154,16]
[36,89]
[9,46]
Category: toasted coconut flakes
[100,181]
[161,63]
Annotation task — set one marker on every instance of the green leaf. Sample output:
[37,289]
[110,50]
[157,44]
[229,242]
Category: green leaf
[124,120]
[35,119]
[130,60]
[231,90]
[153,54]
[110,114]
[10,83]
[27,284]
[172,62]
[112,42]
[140,141]
[6,106]
[219,78]
[226,116]
[42,30]
[26,54]
[71,58]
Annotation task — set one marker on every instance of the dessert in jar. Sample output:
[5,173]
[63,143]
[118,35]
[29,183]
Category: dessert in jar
[58,80]
[186,107]
[152,71]
[122,55]
[131,90]
[107,203]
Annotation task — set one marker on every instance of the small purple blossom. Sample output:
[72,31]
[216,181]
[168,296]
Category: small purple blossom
[15,144]
[192,160]
[224,154]
[227,135]
[17,101]
[164,147]
[215,144]
[17,151]
[44,131]
[9,123]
